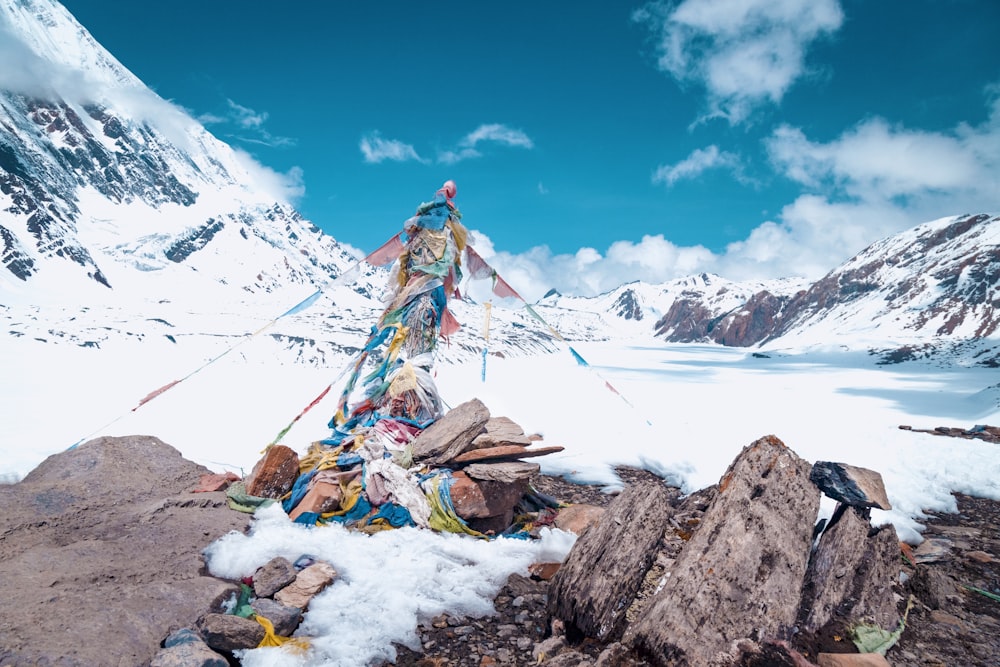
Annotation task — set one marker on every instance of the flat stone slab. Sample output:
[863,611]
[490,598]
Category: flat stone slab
[505,471]
[501,431]
[505,453]
[451,435]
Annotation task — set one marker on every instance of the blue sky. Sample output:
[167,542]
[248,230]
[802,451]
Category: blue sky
[595,143]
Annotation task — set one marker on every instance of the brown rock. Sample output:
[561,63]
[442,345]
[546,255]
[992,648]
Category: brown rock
[284,619]
[501,431]
[851,660]
[578,518]
[321,497]
[945,618]
[979,556]
[543,571]
[226,632]
[451,435]
[272,576]
[307,584]
[507,471]
[467,498]
[741,572]
[604,570]
[504,453]
[274,474]
[215,481]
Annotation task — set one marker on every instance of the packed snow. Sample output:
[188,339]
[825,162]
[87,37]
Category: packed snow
[684,411]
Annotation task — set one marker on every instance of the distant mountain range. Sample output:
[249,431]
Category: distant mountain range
[114,202]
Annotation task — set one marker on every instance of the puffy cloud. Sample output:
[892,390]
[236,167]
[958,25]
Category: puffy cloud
[376,149]
[289,186]
[587,271]
[700,160]
[744,52]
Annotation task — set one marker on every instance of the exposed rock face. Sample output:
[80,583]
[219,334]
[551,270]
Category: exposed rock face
[600,578]
[939,279]
[850,575]
[740,574]
[858,487]
[117,517]
[627,306]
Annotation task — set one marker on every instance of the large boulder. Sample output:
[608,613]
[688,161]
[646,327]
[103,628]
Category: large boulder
[603,572]
[106,538]
[740,574]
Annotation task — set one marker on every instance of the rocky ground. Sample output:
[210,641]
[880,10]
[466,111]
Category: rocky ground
[950,624]
[100,558]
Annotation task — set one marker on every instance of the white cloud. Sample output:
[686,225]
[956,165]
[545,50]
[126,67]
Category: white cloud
[700,160]
[289,186]
[744,52]
[500,134]
[587,271]
[491,132]
[245,116]
[872,181]
[376,149]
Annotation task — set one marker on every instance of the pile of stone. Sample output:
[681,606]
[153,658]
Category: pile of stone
[749,577]
[274,599]
[978,432]
[483,453]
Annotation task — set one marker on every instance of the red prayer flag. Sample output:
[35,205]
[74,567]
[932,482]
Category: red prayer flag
[387,253]
[503,290]
[449,324]
[477,266]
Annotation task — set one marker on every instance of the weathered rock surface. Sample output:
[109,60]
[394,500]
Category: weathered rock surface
[741,572]
[451,435]
[274,474]
[186,648]
[501,431]
[228,633]
[272,576]
[112,519]
[849,484]
[850,576]
[504,453]
[603,572]
[307,584]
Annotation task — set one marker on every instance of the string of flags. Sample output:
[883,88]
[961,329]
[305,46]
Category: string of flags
[426,258]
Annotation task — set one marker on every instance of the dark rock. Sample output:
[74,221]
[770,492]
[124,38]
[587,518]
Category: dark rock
[740,574]
[451,435]
[272,576]
[851,485]
[850,576]
[604,570]
[931,586]
[226,632]
[274,474]
[284,619]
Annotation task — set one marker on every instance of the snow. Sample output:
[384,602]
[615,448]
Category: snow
[684,411]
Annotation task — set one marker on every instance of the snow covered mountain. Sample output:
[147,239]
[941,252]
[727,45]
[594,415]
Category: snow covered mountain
[930,290]
[118,207]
